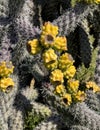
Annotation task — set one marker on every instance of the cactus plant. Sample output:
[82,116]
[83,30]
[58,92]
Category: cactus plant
[21,21]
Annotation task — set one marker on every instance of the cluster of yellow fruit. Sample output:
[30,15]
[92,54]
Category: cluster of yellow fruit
[60,63]
[6,68]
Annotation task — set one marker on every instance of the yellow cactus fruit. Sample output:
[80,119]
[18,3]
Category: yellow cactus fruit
[67,99]
[60,43]
[80,96]
[47,40]
[73,85]
[33,46]
[52,65]
[56,76]
[92,85]
[96,88]
[65,60]
[49,32]
[6,68]
[60,89]
[5,83]
[70,72]
[49,56]
[97,1]
[49,28]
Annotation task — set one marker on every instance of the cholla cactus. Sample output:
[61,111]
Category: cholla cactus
[80,112]
[15,103]
[73,16]
[97,70]
[94,103]
[5,49]
[55,101]
[4,9]
[17,20]
[78,127]
[6,101]
[53,122]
